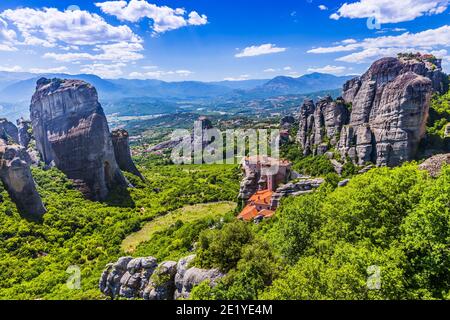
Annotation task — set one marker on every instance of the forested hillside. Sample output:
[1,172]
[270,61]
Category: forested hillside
[34,256]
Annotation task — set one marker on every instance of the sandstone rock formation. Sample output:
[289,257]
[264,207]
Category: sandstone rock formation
[122,152]
[144,278]
[321,124]
[382,115]
[24,134]
[72,132]
[187,278]
[435,164]
[16,176]
[295,189]
[8,131]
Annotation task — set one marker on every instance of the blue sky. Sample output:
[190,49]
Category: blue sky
[212,40]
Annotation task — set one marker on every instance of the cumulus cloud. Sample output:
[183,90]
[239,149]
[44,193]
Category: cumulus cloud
[70,30]
[329,69]
[323,7]
[371,48]
[164,18]
[71,27]
[264,49]
[7,37]
[388,11]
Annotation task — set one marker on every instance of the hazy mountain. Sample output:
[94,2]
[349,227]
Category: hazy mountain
[158,96]
[304,84]
[242,84]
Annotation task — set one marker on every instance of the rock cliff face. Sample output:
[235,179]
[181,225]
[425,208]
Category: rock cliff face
[146,279]
[8,131]
[381,117]
[72,133]
[321,124]
[16,176]
[122,152]
[24,134]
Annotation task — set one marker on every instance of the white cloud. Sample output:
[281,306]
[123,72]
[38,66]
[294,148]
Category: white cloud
[107,71]
[11,69]
[48,70]
[77,27]
[323,7]
[287,68]
[164,18]
[349,41]
[329,69]
[7,37]
[372,48]
[116,52]
[253,51]
[157,74]
[196,20]
[270,70]
[389,11]
[242,77]
[70,30]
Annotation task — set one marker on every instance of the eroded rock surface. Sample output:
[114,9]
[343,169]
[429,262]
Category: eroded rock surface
[144,278]
[121,143]
[72,132]
[16,176]
[24,132]
[382,115]
[435,164]
[8,131]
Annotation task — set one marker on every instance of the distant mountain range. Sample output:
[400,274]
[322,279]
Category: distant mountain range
[17,87]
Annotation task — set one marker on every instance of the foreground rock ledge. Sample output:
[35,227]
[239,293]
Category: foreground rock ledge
[144,278]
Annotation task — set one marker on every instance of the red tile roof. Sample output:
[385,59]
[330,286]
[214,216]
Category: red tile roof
[249,213]
[262,197]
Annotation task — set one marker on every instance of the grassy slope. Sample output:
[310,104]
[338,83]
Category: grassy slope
[186,214]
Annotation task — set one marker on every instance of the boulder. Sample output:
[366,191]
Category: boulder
[187,278]
[162,282]
[71,130]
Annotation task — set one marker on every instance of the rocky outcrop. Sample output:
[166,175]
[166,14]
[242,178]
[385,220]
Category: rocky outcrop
[72,132]
[143,278]
[187,278]
[321,124]
[435,164]
[389,108]
[8,131]
[16,176]
[122,152]
[24,132]
[295,189]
